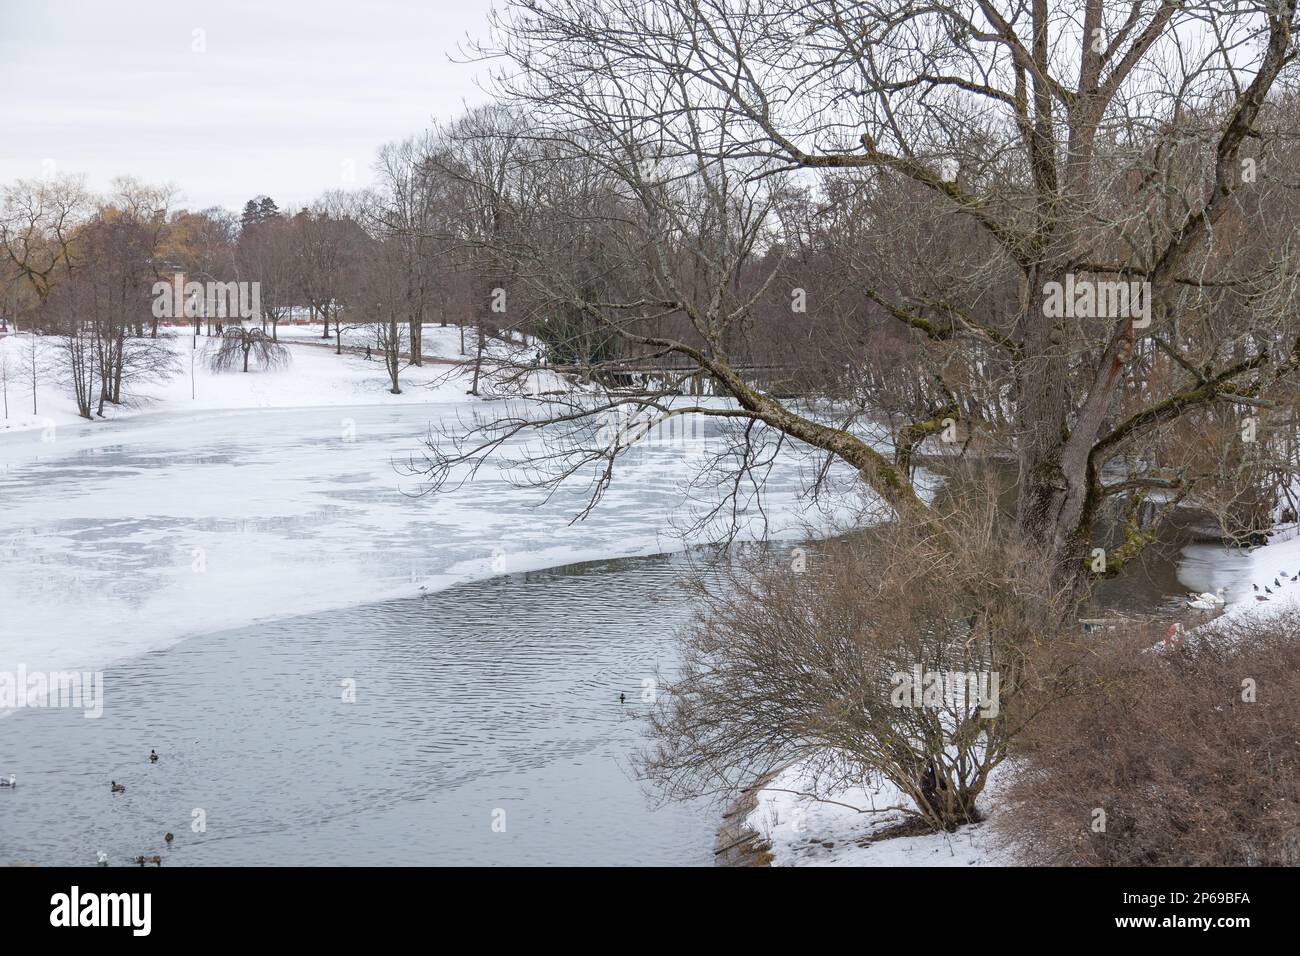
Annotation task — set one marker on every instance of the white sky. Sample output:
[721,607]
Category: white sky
[286,95]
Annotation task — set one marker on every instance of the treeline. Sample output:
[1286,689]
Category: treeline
[656,235]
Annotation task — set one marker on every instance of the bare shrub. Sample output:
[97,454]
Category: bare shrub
[813,666]
[238,344]
[1161,758]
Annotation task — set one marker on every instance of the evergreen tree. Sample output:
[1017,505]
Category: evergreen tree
[258,209]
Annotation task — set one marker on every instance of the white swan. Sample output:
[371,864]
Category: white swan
[11,782]
[1207,601]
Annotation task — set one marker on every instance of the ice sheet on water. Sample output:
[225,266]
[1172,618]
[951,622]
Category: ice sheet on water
[126,536]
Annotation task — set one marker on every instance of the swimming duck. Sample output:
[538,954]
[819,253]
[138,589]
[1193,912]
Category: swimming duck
[168,837]
[622,698]
[139,860]
[11,781]
[156,860]
[101,858]
[153,757]
[117,787]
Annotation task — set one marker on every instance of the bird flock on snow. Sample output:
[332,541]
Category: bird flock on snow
[1207,601]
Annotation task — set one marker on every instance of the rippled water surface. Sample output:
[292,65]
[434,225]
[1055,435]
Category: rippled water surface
[499,695]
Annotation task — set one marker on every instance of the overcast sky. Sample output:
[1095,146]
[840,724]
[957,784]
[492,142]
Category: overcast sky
[287,99]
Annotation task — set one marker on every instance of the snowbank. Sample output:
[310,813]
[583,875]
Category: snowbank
[315,377]
[844,828]
[1269,579]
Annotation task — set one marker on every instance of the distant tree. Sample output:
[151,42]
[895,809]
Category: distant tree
[328,241]
[266,254]
[138,213]
[4,380]
[258,210]
[481,156]
[239,344]
[73,309]
[202,246]
[380,290]
[30,372]
[250,214]
[38,220]
[102,307]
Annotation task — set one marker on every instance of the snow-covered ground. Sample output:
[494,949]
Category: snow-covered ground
[316,377]
[1262,578]
[1208,568]
[438,341]
[278,493]
[843,828]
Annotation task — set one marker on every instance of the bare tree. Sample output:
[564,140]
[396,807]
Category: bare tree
[239,344]
[266,255]
[1123,153]
[100,310]
[855,669]
[38,221]
[72,308]
[380,292]
[201,245]
[412,215]
[481,155]
[30,370]
[327,244]
[4,379]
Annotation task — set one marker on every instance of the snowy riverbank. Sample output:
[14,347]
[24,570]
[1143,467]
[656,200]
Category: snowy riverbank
[845,827]
[315,377]
[849,827]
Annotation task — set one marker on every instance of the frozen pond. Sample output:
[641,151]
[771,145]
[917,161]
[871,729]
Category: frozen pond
[494,701]
[119,538]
